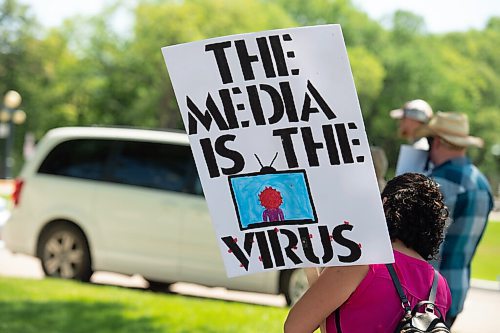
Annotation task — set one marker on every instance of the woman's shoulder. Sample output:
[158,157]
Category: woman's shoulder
[403,258]
[403,262]
[413,273]
[416,276]
[412,270]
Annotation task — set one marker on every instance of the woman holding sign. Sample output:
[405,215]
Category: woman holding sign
[363,298]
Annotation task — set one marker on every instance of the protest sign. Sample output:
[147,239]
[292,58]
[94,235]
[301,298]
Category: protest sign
[411,159]
[280,146]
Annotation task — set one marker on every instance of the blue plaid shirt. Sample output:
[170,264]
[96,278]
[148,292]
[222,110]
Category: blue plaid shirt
[468,197]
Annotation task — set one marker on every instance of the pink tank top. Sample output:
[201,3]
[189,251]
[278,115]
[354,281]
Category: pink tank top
[375,307]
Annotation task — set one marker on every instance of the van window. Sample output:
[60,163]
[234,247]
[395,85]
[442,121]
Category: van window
[80,158]
[148,164]
[154,165]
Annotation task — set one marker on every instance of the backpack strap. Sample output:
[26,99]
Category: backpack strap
[405,303]
[432,294]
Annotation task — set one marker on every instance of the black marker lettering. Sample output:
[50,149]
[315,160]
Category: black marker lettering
[255,106]
[212,112]
[265,54]
[236,250]
[331,145]
[265,255]
[292,244]
[291,111]
[278,109]
[307,109]
[311,146]
[227,102]
[279,57]
[275,245]
[345,148]
[245,60]
[287,142]
[208,153]
[340,239]
[327,243]
[220,58]
[307,245]
[321,102]
[236,157]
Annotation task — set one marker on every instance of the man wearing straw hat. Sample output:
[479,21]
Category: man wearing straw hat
[467,194]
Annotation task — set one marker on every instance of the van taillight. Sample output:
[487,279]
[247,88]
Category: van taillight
[16,194]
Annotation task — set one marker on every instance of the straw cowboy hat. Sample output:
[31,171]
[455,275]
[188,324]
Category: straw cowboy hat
[417,109]
[453,127]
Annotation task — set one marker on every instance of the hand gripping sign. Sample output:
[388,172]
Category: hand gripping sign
[279,143]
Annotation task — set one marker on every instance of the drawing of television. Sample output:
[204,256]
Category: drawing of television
[272,198]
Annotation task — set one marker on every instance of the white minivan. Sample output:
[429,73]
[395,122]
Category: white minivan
[128,201]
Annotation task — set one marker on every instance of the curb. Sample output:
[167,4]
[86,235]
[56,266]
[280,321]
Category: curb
[474,283]
[485,284]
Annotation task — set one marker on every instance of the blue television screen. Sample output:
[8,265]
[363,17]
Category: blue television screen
[276,198]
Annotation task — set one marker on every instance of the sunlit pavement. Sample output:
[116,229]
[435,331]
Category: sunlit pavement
[479,314]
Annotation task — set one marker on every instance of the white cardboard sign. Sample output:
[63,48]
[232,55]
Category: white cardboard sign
[280,146]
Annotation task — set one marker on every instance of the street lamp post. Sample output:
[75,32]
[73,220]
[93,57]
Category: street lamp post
[9,116]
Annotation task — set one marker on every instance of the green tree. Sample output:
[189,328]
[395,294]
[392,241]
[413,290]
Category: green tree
[85,72]
[406,26]
[16,33]
[18,64]
[173,22]
[358,29]
[369,74]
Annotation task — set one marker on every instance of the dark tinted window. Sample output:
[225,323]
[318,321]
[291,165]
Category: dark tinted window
[155,165]
[80,158]
[197,189]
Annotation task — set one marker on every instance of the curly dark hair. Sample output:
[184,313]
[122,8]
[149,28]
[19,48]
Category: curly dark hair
[415,213]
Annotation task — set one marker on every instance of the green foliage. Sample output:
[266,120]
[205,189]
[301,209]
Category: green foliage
[357,27]
[369,74]
[85,72]
[173,22]
[57,306]
[406,25]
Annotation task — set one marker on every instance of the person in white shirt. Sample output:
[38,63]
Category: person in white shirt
[412,115]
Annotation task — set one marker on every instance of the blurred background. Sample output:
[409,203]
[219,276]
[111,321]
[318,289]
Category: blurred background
[99,62]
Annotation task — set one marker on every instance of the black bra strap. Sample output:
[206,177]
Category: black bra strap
[337,320]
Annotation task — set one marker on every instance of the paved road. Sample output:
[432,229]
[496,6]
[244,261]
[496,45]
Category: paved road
[495,213]
[479,315]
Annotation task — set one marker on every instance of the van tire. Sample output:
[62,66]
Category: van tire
[158,286]
[293,284]
[64,252]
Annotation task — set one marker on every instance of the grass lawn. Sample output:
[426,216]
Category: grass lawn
[486,262]
[58,306]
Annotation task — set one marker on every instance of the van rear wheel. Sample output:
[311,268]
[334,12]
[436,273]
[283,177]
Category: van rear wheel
[64,252]
[158,286]
[293,284]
